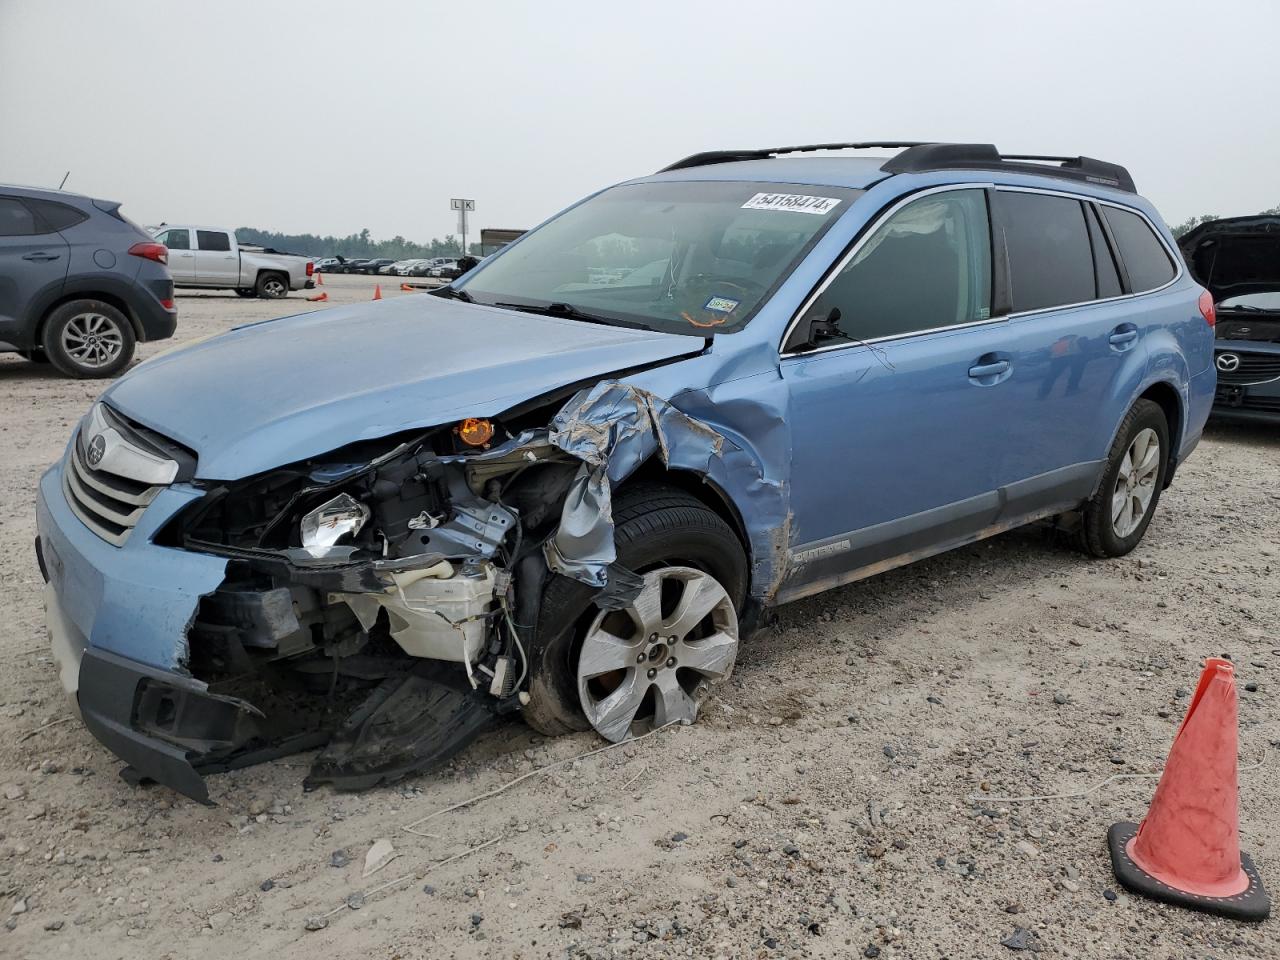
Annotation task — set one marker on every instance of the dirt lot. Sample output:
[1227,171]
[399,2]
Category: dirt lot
[820,808]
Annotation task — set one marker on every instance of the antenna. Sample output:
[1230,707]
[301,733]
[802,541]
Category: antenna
[64,180]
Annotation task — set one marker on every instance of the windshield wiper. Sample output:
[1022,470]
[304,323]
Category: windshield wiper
[1244,308]
[453,294]
[570,312]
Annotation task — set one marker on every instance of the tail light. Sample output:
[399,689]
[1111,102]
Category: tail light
[167,304]
[1206,308]
[150,250]
[311,268]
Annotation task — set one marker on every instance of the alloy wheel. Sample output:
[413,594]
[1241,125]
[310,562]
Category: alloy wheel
[1135,483]
[92,340]
[652,662]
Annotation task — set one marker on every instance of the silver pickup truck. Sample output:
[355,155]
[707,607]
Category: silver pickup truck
[211,258]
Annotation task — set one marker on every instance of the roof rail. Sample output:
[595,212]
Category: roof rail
[917,157]
[729,156]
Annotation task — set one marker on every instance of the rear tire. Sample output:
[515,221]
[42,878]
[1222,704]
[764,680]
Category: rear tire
[1117,516]
[246,292]
[654,526]
[88,339]
[272,286]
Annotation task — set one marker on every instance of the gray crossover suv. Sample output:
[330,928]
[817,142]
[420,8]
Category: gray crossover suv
[80,284]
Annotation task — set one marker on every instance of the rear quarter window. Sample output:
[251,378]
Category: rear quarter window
[1144,256]
[1049,255]
[56,216]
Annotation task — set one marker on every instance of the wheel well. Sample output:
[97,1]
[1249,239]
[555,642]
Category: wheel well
[276,271]
[1166,397]
[696,485]
[117,302]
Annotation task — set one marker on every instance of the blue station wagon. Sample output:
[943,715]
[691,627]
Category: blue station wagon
[568,484]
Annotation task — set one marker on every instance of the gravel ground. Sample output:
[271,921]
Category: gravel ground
[821,807]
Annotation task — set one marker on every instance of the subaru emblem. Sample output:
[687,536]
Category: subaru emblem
[97,447]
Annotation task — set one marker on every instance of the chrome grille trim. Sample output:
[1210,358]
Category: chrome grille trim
[111,497]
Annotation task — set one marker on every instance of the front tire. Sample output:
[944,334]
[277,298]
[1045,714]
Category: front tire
[671,539]
[88,339]
[272,286]
[1117,516]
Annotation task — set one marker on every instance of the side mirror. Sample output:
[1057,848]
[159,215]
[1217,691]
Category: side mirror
[824,329]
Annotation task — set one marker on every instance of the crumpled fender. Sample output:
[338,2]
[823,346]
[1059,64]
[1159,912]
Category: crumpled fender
[613,428]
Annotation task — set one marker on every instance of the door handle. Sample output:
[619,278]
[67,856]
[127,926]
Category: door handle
[186,254]
[989,369]
[41,256]
[1123,337]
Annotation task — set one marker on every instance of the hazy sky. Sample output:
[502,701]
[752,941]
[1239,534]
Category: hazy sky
[329,117]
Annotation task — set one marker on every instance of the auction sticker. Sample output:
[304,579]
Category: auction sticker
[792,203]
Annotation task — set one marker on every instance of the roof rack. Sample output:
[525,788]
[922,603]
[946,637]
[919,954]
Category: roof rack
[917,157]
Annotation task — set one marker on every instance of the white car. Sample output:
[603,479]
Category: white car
[211,258]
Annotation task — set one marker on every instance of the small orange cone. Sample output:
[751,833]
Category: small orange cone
[318,298]
[1187,850]
[319,278]
[377,291]
[407,288]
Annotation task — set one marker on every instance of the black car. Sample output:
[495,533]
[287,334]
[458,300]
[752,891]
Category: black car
[1238,260]
[80,284]
[371,266]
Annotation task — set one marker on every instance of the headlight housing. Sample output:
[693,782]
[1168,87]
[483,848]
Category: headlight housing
[323,527]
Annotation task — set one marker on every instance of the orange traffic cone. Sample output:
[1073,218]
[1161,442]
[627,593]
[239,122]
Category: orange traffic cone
[1187,850]
[320,279]
[407,288]
[319,297]
[377,291]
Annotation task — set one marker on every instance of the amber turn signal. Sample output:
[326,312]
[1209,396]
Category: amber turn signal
[475,432]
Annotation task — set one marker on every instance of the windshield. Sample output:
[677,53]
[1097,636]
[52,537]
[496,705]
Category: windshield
[681,257]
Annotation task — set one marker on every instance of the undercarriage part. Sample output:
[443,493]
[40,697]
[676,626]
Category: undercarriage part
[409,724]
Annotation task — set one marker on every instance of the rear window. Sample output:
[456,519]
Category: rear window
[56,216]
[1144,256]
[1050,258]
[213,240]
[15,219]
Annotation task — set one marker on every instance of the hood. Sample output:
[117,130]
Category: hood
[1235,256]
[280,391]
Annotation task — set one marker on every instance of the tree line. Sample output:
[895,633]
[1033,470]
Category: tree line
[353,245]
[1186,226]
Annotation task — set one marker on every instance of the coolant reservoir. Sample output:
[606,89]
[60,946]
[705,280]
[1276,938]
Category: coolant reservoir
[436,613]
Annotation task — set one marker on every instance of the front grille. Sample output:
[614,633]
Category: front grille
[1269,404]
[110,497]
[1254,367]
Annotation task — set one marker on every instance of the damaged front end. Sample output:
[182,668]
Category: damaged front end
[377,601]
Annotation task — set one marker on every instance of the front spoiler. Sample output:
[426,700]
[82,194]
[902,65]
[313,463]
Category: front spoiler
[160,723]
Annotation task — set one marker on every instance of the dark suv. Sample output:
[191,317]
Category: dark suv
[80,284]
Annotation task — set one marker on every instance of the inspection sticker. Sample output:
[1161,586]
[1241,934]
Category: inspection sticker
[792,202]
[721,304]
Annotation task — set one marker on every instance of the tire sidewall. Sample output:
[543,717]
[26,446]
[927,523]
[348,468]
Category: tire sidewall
[1145,415]
[63,362]
[263,286]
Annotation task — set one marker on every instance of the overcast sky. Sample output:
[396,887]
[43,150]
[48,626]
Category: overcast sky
[329,117]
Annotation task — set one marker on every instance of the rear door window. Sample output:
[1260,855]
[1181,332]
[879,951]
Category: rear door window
[1049,256]
[15,219]
[1144,256]
[1104,264]
[176,239]
[213,240]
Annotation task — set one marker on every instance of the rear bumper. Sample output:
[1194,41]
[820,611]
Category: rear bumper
[154,320]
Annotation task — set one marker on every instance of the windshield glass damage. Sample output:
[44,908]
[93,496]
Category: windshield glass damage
[671,256]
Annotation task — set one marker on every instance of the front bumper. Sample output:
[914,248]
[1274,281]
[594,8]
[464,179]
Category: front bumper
[1254,403]
[117,620]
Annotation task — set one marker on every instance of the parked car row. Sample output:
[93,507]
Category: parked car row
[446,267]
